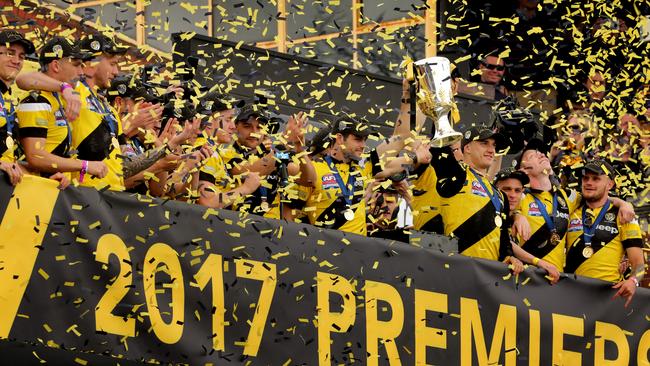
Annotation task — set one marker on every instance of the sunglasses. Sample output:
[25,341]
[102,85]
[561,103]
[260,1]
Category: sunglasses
[493,66]
[577,129]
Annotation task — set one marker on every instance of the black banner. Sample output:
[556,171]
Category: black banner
[135,279]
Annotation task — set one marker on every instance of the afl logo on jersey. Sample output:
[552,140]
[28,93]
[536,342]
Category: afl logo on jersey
[575,225]
[533,209]
[329,181]
[478,190]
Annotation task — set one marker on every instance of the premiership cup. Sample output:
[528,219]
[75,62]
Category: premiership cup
[435,99]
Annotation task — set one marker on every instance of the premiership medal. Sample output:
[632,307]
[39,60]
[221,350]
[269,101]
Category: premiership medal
[587,252]
[348,214]
[498,221]
[264,206]
[116,143]
[10,143]
[555,238]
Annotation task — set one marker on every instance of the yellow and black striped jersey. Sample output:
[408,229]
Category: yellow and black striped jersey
[539,243]
[426,201]
[467,210]
[41,115]
[608,244]
[94,138]
[324,203]
[7,114]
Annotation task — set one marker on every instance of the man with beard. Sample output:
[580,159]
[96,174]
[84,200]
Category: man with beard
[274,162]
[598,239]
[336,198]
[542,218]
[217,187]
[472,209]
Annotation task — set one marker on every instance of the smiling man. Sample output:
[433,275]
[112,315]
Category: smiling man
[13,49]
[598,239]
[472,209]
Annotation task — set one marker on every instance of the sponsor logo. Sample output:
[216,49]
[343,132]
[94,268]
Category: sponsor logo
[575,225]
[563,215]
[60,123]
[607,228]
[533,209]
[478,190]
[329,181]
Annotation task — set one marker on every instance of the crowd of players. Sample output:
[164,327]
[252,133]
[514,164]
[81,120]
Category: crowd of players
[84,123]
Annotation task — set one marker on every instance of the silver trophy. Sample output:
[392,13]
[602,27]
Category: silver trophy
[435,99]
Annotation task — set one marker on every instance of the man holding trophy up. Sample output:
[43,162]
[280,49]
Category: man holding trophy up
[472,209]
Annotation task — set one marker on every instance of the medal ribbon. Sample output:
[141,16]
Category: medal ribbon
[346,189]
[108,115]
[67,124]
[494,195]
[9,117]
[550,220]
[588,232]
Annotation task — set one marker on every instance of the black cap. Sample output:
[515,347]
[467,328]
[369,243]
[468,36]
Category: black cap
[213,102]
[58,48]
[348,125]
[534,144]
[482,133]
[600,167]
[182,111]
[8,37]
[511,173]
[253,110]
[99,43]
[126,86]
[320,141]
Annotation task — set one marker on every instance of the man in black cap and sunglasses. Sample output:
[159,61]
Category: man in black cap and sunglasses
[598,239]
[45,132]
[13,49]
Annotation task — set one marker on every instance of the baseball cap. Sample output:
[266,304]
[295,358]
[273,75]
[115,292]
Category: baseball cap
[213,102]
[348,125]
[126,86]
[11,36]
[59,48]
[482,133]
[99,43]
[600,167]
[511,173]
[252,110]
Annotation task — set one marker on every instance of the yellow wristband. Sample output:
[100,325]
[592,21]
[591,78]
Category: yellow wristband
[535,261]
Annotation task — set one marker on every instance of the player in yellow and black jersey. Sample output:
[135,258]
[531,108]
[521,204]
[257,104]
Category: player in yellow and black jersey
[336,199]
[218,188]
[45,132]
[426,200]
[473,210]
[597,238]
[13,49]
[546,208]
[96,130]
